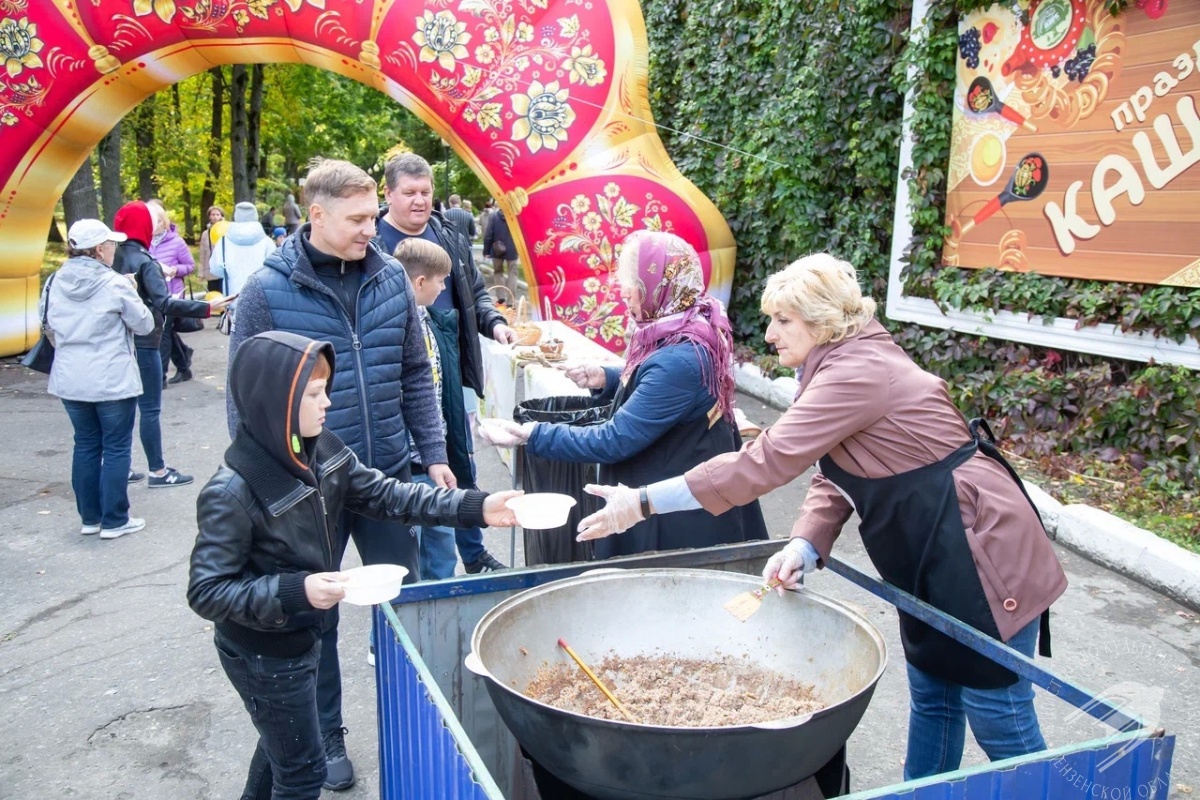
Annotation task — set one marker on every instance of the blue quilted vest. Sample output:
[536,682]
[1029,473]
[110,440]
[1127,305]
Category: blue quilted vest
[366,391]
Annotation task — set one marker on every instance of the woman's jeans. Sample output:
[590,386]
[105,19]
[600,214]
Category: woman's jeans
[100,464]
[281,696]
[150,365]
[1003,721]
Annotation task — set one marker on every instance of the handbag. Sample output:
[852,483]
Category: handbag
[41,357]
[499,249]
[188,324]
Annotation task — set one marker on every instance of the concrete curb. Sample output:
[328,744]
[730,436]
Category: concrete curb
[1096,535]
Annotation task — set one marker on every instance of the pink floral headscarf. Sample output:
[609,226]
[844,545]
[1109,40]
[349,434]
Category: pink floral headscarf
[675,309]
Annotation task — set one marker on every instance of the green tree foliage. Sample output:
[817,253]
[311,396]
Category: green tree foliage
[306,112]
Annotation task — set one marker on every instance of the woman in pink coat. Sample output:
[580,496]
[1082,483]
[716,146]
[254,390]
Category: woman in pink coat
[942,514]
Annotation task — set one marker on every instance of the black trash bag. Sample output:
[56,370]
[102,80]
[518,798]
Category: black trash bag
[558,545]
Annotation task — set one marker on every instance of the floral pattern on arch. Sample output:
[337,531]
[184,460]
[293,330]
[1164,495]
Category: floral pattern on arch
[581,226]
[529,79]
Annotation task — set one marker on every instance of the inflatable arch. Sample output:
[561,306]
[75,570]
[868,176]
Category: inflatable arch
[545,99]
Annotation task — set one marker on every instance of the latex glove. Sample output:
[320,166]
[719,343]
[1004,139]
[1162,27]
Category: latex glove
[503,334]
[505,433]
[622,511]
[587,376]
[496,513]
[324,589]
[442,476]
[791,563]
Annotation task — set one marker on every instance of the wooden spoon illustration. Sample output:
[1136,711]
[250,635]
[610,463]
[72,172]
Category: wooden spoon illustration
[1027,182]
[981,99]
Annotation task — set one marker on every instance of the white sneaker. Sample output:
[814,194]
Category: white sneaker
[132,526]
[88,530]
[371,655]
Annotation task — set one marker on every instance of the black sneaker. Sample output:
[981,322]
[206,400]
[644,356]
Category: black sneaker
[136,477]
[339,772]
[172,477]
[486,563]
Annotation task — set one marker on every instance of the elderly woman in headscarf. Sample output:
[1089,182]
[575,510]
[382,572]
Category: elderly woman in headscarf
[672,402]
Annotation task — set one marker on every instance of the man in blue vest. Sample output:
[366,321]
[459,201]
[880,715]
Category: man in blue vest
[408,189]
[329,282]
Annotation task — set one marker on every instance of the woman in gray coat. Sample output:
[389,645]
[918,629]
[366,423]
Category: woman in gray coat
[92,314]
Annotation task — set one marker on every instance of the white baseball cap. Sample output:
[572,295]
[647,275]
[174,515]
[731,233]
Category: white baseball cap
[88,233]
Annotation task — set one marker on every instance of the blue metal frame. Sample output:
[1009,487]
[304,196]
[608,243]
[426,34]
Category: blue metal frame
[442,762]
[1001,653]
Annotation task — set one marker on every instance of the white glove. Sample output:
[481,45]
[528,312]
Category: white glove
[587,376]
[791,563]
[505,433]
[622,511]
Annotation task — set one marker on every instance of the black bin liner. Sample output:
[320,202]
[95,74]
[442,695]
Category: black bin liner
[558,545]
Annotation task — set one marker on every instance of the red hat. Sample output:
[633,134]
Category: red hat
[133,220]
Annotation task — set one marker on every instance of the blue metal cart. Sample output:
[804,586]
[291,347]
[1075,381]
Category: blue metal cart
[440,737]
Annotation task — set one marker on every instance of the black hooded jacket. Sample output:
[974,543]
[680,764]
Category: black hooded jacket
[132,258]
[267,518]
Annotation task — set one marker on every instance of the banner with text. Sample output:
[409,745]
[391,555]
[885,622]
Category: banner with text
[1075,141]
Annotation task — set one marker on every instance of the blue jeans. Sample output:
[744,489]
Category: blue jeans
[1003,721]
[100,463]
[438,558]
[470,540]
[149,405]
[281,696]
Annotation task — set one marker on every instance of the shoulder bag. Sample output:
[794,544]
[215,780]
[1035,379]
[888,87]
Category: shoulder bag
[41,357]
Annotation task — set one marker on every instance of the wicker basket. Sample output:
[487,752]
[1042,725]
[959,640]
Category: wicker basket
[505,305]
[526,332]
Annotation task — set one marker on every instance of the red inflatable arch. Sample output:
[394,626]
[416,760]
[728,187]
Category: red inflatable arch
[545,99]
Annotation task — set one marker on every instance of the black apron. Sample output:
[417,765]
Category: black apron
[682,447]
[913,531]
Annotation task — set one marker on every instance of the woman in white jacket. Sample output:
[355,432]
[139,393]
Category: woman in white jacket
[242,250]
[92,314]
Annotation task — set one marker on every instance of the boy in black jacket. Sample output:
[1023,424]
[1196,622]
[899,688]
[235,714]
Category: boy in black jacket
[263,565]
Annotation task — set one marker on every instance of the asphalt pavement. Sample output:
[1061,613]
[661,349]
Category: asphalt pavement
[111,688]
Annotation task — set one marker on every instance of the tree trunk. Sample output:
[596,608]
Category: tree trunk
[216,141]
[237,134]
[189,223]
[253,123]
[111,194]
[79,200]
[54,236]
[143,132]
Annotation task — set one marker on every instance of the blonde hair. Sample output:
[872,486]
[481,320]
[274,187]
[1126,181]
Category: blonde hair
[421,257]
[329,178]
[823,291]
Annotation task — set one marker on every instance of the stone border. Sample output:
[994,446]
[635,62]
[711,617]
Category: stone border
[1097,535]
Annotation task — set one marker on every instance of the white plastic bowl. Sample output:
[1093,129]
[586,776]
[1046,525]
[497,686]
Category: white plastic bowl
[541,510]
[377,583]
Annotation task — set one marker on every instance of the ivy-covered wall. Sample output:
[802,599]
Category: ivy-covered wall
[805,98]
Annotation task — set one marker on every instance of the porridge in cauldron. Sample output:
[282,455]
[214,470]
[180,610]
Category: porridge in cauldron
[676,692]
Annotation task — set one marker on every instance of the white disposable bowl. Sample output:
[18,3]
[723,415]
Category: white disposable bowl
[377,583]
[541,510]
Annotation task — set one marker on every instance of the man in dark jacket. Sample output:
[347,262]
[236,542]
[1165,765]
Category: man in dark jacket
[133,258]
[408,191]
[329,282]
[499,246]
[262,568]
[461,218]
